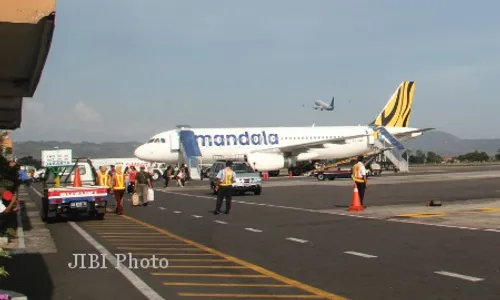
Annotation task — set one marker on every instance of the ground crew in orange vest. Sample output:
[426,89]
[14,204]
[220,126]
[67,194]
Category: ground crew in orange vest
[103,178]
[224,187]
[119,188]
[359,177]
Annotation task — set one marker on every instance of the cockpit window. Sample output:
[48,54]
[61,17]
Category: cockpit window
[151,141]
[162,141]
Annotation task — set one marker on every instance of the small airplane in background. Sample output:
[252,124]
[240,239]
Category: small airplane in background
[323,105]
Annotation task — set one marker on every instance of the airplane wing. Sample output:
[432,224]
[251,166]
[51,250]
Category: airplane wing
[409,133]
[309,145]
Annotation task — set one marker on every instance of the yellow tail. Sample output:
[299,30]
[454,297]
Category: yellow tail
[397,111]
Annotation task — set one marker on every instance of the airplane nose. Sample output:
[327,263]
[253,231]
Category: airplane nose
[140,152]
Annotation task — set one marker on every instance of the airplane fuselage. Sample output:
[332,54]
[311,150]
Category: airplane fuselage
[273,148]
[322,105]
[230,142]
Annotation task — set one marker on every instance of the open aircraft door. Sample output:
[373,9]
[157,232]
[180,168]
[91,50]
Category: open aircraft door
[174,141]
[372,135]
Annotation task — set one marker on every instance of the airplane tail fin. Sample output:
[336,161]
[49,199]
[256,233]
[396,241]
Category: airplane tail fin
[397,111]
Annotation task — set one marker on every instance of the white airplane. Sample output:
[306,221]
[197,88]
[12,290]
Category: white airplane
[323,105]
[273,148]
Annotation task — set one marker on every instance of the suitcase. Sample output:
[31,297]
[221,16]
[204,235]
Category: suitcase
[151,194]
[135,199]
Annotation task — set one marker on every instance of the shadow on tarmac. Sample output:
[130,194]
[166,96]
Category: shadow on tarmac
[28,275]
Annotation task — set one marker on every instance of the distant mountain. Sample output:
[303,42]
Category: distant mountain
[447,144]
[440,142]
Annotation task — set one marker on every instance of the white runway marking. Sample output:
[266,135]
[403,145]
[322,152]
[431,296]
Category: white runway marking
[162,208]
[464,277]
[341,214]
[177,212]
[253,230]
[296,240]
[220,222]
[196,216]
[147,291]
[360,254]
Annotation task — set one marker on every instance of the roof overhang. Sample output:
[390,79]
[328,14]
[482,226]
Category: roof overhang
[26,30]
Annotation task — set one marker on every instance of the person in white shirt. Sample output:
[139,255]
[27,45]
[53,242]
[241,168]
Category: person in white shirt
[359,177]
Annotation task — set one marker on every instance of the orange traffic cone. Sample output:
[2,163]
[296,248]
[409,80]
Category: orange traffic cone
[266,175]
[290,174]
[77,182]
[356,202]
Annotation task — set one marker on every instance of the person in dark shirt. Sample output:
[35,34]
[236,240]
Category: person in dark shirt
[142,183]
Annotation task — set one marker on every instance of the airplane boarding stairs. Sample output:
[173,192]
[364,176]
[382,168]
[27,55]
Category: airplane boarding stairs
[396,154]
[191,153]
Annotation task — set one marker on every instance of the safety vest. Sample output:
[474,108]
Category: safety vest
[119,181]
[355,173]
[103,179]
[227,178]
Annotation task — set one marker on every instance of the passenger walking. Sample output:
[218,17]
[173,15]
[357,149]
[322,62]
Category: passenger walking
[132,173]
[23,177]
[187,175]
[142,183]
[167,174]
[180,177]
[359,177]
[119,189]
[224,187]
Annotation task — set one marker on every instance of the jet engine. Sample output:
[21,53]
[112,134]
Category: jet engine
[270,161]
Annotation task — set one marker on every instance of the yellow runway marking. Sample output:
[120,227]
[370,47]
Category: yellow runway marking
[250,296]
[446,213]
[210,275]
[265,273]
[489,209]
[228,284]
[143,239]
[421,215]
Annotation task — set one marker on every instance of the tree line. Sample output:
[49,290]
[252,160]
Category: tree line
[430,157]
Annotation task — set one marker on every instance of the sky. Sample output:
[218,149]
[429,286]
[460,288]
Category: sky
[124,70]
